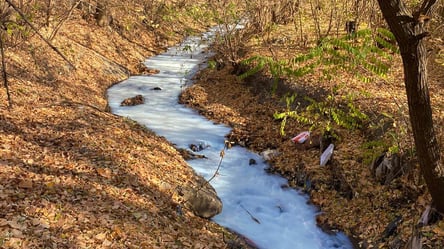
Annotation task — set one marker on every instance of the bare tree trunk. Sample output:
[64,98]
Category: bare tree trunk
[315,14]
[409,30]
[4,74]
[48,12]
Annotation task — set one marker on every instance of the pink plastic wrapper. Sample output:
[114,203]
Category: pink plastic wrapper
[301,137]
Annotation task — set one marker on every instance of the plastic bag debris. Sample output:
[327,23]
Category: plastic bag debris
[268,154]
[326,155]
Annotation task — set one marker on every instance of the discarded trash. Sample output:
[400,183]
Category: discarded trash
[268,154]
[301,137]
[326,155]
[179,210]
[307,186]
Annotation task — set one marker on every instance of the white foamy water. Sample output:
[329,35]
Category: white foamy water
[254,203]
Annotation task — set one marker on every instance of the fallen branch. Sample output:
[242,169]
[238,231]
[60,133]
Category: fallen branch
[227,145]
[252,217]
[222,154]
[38,33]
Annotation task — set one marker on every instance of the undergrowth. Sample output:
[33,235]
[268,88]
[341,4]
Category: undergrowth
[323,114]
[367,54]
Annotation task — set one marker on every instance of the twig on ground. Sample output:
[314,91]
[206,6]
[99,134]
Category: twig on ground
[248,212]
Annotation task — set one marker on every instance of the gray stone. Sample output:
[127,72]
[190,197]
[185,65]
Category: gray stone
[202,199]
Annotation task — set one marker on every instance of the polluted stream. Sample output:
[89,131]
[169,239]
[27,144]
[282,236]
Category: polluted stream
[255,203]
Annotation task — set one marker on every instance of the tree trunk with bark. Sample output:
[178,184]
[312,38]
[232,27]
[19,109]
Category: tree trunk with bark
[409,30]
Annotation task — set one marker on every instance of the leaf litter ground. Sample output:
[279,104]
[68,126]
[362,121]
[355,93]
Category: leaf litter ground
[75,176]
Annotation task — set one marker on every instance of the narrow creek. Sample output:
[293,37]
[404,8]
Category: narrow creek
[282,217]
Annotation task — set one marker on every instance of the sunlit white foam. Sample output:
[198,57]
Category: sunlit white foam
[255,204]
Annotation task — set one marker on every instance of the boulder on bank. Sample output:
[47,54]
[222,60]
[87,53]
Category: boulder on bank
[202,199]
[136,100]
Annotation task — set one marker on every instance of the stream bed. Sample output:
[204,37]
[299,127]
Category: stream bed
[255,204]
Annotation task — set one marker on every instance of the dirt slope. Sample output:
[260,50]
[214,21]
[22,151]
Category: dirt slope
[73,175]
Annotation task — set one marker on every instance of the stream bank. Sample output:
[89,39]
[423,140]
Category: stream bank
[350,197]
[257,205]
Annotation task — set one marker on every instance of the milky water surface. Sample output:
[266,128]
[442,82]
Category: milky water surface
[254,202]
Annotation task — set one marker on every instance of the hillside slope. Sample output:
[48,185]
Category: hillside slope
[73,175]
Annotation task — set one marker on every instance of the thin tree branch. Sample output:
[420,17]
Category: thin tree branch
[427,7]
[222,154]
[5,76]
[56,29]
[38,33]
[252,217]
[48,12]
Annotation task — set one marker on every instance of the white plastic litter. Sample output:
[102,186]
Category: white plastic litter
[326,155]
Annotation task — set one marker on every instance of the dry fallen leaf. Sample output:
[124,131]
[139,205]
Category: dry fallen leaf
[3,222]
[35,222]
[16,233]
[106,243]
[50,185]
[44,224]
[104,172]
[26,184]
[13,243]
[439,231]
[101,236]
[14,224]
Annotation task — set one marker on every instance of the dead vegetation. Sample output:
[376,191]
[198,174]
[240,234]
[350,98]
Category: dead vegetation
[73,175]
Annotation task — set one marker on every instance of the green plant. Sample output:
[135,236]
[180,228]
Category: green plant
[372,150]
[397,135]
[283,116]
[200,13]
[324,114]
[393,138]
[212,64]
[16,30]
[361,55]
[187,48]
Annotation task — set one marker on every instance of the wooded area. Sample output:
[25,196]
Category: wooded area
[410,35]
